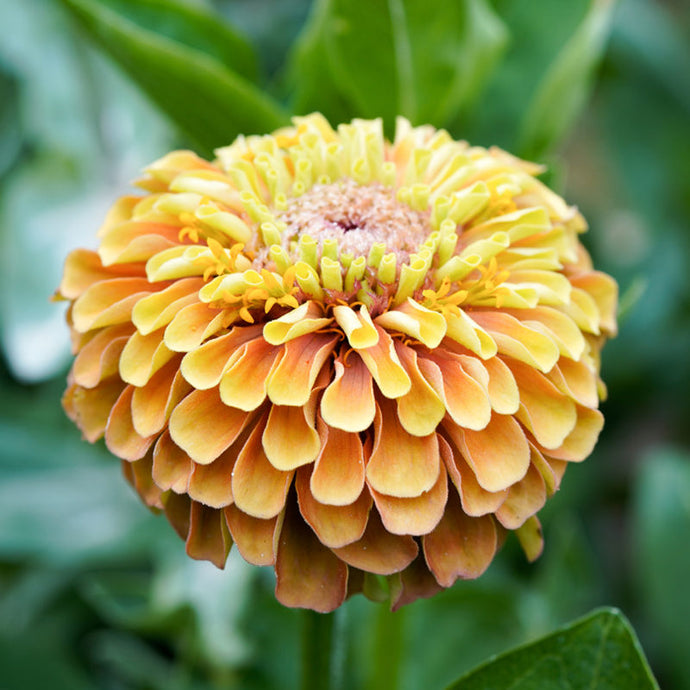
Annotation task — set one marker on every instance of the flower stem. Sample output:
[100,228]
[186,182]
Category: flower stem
[318,652]
[387,649]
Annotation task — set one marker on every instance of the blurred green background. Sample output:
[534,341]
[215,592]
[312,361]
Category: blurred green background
[97,593]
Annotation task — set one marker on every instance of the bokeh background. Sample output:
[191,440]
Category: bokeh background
[95,592]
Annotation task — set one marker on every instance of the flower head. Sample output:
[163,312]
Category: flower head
[347,356]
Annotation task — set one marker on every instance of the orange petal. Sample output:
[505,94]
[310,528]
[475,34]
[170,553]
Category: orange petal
[98,359]
[204,366]
[415,582]
[401,465]
[552,478]
[524,499]
[157,310]
[108,302]
[208,539]
[460,546]
[466,400]
[604,291]
[348,402]
[379,551]
[576,380]
[136,241]
[415,516]
[204,427]
[89,408]
[120,437]
[177,508]
[308,575]
[142,357]
[258,488]
[256,539]
[504,395]
[582,439]
[338,475]
[192,325]
[518,340]
[290,439]
[334,525]
[245,380]
[212,484]
[546,412]
[153,403]
[475,500]
[292,380]
[138,474]
[421,409]
[171,465]
[384,365]
[531,539]
[498,455]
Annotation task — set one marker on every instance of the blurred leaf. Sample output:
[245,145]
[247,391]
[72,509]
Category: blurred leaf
[662,558]
[398,57]
[192,26]
[597,652]
[565,87]
[208,101]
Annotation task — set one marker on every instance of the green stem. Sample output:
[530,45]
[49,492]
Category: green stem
[387,649]
[318,672]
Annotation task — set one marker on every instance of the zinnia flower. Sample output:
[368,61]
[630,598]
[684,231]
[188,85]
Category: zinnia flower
[352,358]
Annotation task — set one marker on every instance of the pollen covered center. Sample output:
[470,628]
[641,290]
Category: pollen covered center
[355,217]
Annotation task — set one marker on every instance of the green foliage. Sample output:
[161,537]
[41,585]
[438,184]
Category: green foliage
[598,652]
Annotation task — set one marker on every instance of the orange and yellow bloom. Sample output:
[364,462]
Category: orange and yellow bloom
[347,356]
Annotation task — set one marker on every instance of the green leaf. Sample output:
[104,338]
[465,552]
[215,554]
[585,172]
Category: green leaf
[208,101]
[565,88]
[662,558]
[399,57]
[597,652]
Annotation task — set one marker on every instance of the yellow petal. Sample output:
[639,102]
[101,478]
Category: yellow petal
[192,325]
[384,365]
[420,323]
[348,402]
[158,309]
[143,356]
[582,439]
[357,326]
[307,318]
[120,437]
[290,439]
[464,330]
[504,395]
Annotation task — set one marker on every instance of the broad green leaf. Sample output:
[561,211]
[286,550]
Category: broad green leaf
[662,559]
[399,57]
[209,102]
[192,26]
[564,89]
[597,652]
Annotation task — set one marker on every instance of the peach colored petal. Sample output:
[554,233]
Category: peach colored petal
[158,309]
[120,437]
[348,402]
[308,575]
[293,377]
[259,489]
[290,439]
[384,365]
[544,411]
[204,427]
[421,409]
[134,241]
[171,465]
[519,341]
[177,508]
[525,498]
[193,324]
[108,302]
[153,403]
[466,400]
[504,395]
[204,366]
[498,455]
[119,212]
[89,408]
[138,474]
[414,516]
[582,439]
[379,551]
[464,330]
[422,324]
[460,546]
[415,582]
[100,356]
[576,380]
[604,290]
[531,538]
[143,356]
[338,475]
[83,268]
[401,465]
[551,478]
[475,500]
[208,539]
[212,484]
[256,539]
[335,526]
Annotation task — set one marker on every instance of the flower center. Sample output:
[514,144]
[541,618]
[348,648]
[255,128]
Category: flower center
[356,217]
